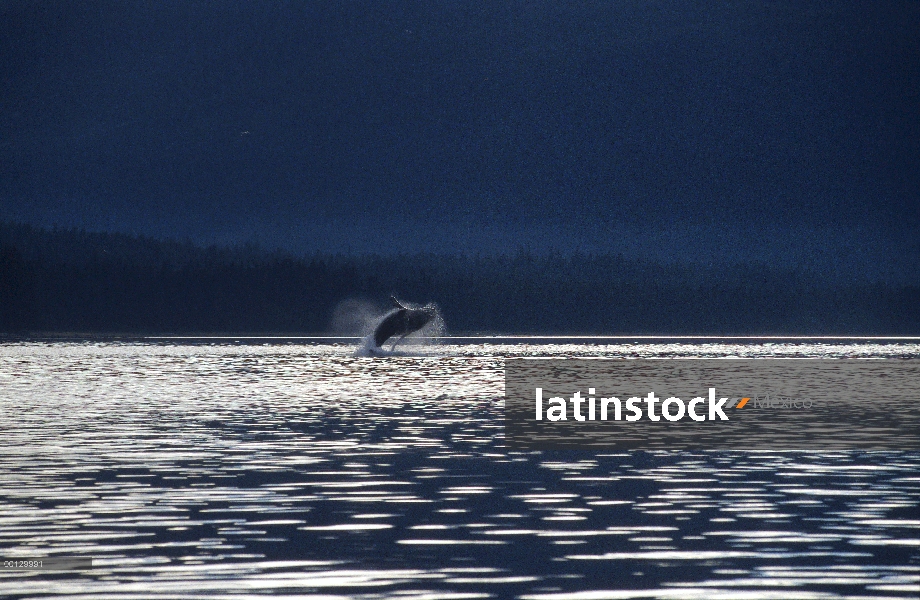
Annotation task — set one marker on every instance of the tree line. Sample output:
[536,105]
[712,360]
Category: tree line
[59,281]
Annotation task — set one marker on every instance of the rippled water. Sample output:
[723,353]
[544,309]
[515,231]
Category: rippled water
[299,470]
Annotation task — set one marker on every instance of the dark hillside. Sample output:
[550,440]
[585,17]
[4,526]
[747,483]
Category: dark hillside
[73,281]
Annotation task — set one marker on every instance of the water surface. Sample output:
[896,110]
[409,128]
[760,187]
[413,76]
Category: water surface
[226,470]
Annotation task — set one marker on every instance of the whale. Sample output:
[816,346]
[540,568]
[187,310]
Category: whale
[401,322]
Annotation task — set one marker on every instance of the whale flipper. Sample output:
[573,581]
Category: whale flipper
[401,338]
[396,303]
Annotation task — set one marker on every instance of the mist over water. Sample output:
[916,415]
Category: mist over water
[355,317]
[300,470]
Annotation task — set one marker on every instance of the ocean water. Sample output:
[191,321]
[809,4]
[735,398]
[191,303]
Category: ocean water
[298,470]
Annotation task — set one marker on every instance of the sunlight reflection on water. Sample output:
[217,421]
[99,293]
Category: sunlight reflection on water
[238,471]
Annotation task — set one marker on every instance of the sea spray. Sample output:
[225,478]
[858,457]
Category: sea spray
[433,331]
[356,317]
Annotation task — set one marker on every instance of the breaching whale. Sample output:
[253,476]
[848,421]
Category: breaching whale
[401,322]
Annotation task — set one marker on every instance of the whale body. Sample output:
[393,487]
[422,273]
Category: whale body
[401,322]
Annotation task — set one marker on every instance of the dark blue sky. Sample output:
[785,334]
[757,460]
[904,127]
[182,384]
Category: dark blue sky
[787,131]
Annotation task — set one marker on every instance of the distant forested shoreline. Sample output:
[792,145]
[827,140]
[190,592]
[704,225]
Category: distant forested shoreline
[75,281]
